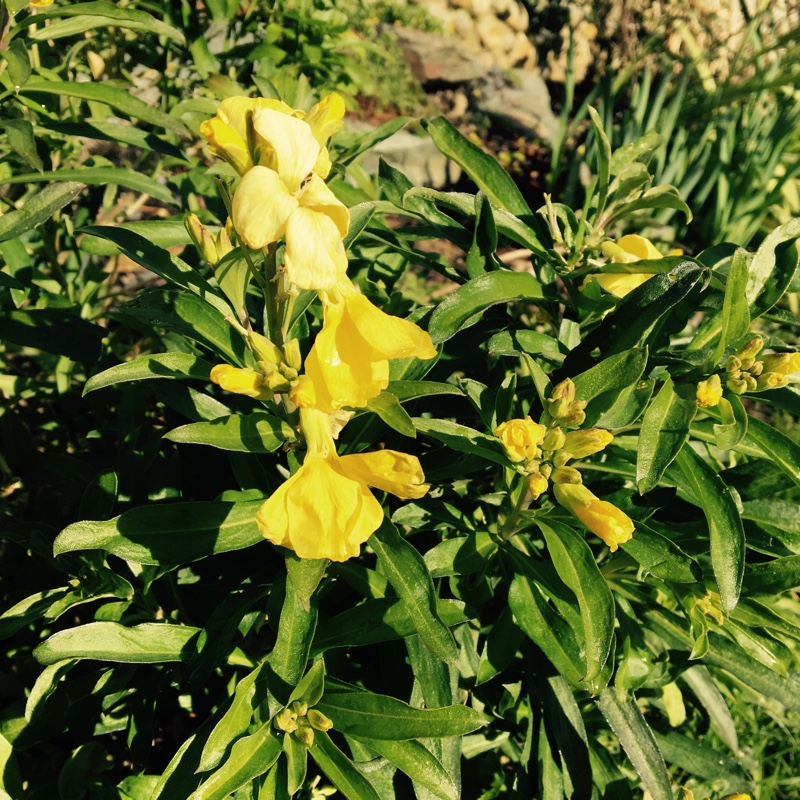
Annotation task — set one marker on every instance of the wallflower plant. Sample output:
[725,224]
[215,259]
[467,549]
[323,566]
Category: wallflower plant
[501,542]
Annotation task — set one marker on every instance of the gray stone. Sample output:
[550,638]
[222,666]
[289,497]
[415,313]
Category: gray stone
[522,106]
[417,157]
[438,58]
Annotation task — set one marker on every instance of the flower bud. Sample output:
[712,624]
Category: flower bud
[709,392]
[264,349]
[286,721]
[757,368]
[750,382]
[305,734]
[771,380]
[554,440]
[576,416]
[580,444]
[558,408]
[602,518]
[302,393]
[564,391]
[291,352]
[521,438]
[223,243]
[537,485]
[299,708]
[733,364]
[751,349]
[566,475]
[241,381]
[202,238]
[316,719]
[784,363]
[560,457]
[737,386]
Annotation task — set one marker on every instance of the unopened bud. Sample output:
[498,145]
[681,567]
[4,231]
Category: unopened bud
[751,349]
[223,244]
[286,721]
[785,363]
[291,352]
[537,485]
[575,418]
[241,381]
[733,364]
[264,349]
[757,368]
[554,440]
[560,457]
[316,719]
[566,475]
[299,708]
[558,408]
[276,381]
[202,238]
[305,734]
[750,382]
[564,391]
[580,444]
[546,469]
[736,385]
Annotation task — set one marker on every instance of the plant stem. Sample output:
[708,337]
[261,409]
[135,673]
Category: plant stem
[512,520]
[271,300]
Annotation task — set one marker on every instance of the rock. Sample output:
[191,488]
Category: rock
[435,58]
[496,36]
[417,157]
[522,107]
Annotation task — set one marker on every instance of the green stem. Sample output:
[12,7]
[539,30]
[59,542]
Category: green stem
[272,302]
[512,520]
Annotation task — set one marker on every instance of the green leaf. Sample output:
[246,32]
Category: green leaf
[763,263]
[502,643]
[38,208]
[257,432]
[661,556]
[463,555]
[21,141]
[305,575]
[724,525]
[19,64]
[735,309]
[101,176]
[378,716]
[464,439]
[54,330]
[388,408]
[192,317]
[776,447]
[311,687]
[484,170]
[381,620]
[175,533]
[773,577]
[603,151]
[160,365]
[702,683]
[406,571]
[512,343]
[702,761]
[82,17]
[413,390]
[118,99]
[602,385]
[575,565]
[162,233]
[250,757]
[546,628]
[463,307]
[776,513]
[637,741]
[147,643]
[734,422]
[418,763]
[368,140]
[234,722]
[139,249]
[628,406]
[665,429]
[484,239]
[340,769]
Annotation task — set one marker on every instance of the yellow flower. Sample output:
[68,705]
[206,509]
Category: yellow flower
[241,381]
[782,363]
[228,136]
[349,362]
[626,250]
[602,518]
[709,392]
[326,510]
[41,3]
[521,438]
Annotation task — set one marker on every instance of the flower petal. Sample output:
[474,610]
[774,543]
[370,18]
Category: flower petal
[602,518]
[294,150]
[639,247]
[316,196]
[393,337]
[315,257]
[389,470]
[325,118]
[261,206]
[345,369]
[320,513]
[621,283]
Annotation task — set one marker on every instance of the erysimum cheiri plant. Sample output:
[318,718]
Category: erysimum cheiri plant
[595,526]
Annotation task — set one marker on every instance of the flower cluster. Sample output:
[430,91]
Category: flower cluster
[326,509]
[747,370]
[541,453]
[300,721]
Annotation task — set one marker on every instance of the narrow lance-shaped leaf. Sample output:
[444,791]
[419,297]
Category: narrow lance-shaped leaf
[637,740]
[724,524]
[665,428]
[405,568]
[735,310]
[340,769]
[258,432]
[576,566]
[159,365]
[38,208]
